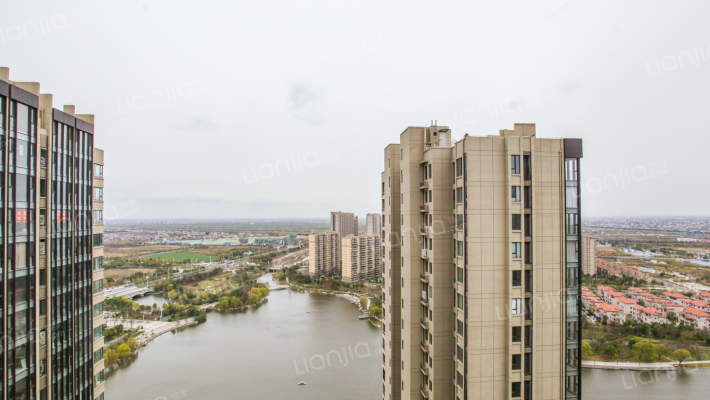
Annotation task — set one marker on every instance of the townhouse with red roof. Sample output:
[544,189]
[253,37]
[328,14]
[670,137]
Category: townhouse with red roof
[694,317]
[648,315]
[675,297]
[704,296]
[698,304]
[613,313]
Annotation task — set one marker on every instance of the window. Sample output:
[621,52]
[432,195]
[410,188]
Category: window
[528,197]
[43,188]
[459,301]
[98,239]
[459,167]
[515,194]
[98,263]
[516,362]
[572,329]
[459,274]
[98,171]
[516,222]
[459,222]
[528,253]
[528,281]
[459,353]
[528,364]
[459,327]
[516,250]
[528,225]
[98,217]
[571,172]
[514,164]
[515,390]
[459,379]
[516,307]
[99,193]
[527,168]
[459,248]
[98,309]
[528,336]
[517,278]
[459,195]
[517,334]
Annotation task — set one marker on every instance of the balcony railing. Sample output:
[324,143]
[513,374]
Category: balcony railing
[424,208]
[423,184]
[425,346]
[425,392]
[425,301]
[424,278]
[425,254]
[425,323]
[424,368]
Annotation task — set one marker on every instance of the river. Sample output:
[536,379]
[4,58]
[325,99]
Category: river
[263,352]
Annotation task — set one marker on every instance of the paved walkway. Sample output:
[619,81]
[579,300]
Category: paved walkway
[666,366]
[158,329]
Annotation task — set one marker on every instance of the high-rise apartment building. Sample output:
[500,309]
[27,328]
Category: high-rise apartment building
[481,266]
[344,223]
[589,255]
[361,258]
[324,254]
[374,224]
[51,224]
[391,276]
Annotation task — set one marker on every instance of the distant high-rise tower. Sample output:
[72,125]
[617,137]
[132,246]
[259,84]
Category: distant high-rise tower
[324,254]
[344,223]
[374,224]
[51,177]
[589,255]
[481,266]
[361,258]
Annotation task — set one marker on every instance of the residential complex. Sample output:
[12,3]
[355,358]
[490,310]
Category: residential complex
[481,263]
[361,258]
[374,224]
[589,255]
[52,185]
[324,254]
[644,307]
[344,223]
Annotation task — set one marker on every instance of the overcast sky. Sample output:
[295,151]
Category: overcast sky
[283,108]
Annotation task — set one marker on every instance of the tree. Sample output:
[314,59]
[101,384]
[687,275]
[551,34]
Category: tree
[110,357]
[133,344]
[672,317]
[605,319]
[172,295]
[663,351]
[223,304]
[123,351]
[682,355]
[611,351]
[586,348]
[375,311]
[644,351]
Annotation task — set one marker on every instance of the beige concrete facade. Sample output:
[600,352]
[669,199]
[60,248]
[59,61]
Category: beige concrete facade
[483,268]
[361,258]
[589,255]
[391,275]
[374,224]
[324,254]
[344,223]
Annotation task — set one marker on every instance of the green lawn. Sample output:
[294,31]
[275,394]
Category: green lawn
[181,256]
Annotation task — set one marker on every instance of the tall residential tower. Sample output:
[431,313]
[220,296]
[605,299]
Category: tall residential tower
[344,223]
[374,224]
[481,266]
[51,224]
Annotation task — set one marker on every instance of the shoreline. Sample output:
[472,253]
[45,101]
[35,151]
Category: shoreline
[631,366]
